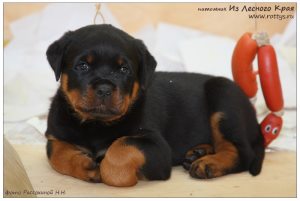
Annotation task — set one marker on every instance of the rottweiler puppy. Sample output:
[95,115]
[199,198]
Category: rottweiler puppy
[114,120]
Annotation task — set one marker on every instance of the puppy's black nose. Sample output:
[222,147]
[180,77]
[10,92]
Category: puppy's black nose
[104,90]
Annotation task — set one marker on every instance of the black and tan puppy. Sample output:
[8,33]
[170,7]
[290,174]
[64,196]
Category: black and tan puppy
[115,120]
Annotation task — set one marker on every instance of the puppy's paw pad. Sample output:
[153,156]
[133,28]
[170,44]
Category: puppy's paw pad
[94,176]
[206,168]
[196,153]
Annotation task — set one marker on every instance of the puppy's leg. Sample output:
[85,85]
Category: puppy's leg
[67,159]
[224,161]
[132,157]
[237,140]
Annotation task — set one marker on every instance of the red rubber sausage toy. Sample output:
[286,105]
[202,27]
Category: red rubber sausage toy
[242,70]
[269,78]
[271,127]
[244,53]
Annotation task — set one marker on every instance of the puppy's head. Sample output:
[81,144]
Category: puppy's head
[102,70]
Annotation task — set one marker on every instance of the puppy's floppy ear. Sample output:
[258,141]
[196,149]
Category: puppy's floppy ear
[55,53]
[147,64]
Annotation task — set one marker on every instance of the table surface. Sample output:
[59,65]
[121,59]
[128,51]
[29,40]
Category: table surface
[277,179]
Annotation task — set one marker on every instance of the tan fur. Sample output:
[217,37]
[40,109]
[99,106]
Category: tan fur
[225,158]
[73,96]
[90,58]
[120,61]
[128,100]
[76,100]
[135,90]
[121,164]
[69,160]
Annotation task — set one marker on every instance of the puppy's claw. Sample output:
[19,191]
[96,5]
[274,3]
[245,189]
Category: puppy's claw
[191,158]
[199,152]
[186,165]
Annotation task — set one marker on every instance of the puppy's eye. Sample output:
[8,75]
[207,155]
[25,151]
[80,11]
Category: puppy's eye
[124,69]
[82,67]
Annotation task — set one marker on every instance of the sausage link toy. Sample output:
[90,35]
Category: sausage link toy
[248,46]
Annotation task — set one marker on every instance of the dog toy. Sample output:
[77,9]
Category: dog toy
[249,46]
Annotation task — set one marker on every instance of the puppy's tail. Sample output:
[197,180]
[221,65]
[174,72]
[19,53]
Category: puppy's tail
[259,151]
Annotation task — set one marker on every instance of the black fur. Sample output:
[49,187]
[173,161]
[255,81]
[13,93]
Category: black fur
[170,115]
[49,148]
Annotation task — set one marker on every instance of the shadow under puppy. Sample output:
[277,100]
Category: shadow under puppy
[115,120]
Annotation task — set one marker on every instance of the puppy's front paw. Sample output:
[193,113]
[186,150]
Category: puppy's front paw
[85,168]
[121,164]
[67,159]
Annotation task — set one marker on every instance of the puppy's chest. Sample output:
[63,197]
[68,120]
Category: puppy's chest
[97,139]
[95,145]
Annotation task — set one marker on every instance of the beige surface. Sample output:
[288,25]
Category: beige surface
[15,177]
[278,179]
